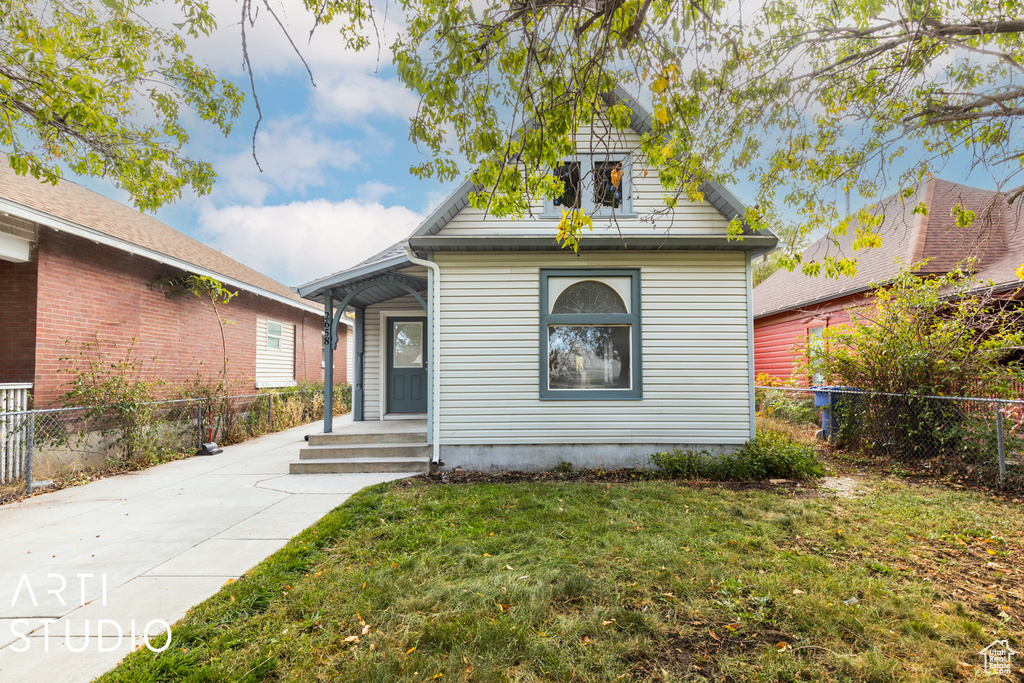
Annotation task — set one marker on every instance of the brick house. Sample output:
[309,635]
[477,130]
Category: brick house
[76,267]
[791,308]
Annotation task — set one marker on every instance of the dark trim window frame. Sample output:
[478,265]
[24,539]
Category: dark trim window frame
[632,319]
[588,166]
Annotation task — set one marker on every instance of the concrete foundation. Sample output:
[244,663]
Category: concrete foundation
[540,457]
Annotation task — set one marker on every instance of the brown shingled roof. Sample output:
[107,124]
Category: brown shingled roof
[995,240]
[80,206]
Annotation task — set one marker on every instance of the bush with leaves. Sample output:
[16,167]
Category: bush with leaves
[109,387]
[920,337]
[770,455]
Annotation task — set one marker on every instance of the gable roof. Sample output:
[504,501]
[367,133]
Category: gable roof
[640,122]
[994,240]
[71,208]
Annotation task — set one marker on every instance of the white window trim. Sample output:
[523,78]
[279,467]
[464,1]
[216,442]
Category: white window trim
[279,337]
[586,162]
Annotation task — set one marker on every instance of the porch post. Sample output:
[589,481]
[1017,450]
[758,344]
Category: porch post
[329,333]
[357,369]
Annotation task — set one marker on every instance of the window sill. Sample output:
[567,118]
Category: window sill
[603,215]
[274,385]
[590,395]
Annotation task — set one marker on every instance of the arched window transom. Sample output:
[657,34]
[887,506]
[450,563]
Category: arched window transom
[589,296]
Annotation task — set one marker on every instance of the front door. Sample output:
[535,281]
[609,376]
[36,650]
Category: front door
[407,368]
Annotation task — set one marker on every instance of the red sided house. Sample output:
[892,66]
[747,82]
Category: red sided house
[76,267]
[791,308]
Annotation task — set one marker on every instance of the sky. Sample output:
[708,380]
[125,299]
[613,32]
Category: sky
[335,185]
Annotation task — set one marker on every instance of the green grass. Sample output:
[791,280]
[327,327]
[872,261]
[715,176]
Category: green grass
[604,582]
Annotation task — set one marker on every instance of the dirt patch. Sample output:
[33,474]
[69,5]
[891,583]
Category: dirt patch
[846,486]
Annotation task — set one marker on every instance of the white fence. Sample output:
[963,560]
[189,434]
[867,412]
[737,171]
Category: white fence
[14,432]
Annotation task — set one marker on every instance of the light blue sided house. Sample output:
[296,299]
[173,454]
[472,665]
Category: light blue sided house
[479,343]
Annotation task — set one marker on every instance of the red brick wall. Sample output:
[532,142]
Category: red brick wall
[18,313]
[87,291]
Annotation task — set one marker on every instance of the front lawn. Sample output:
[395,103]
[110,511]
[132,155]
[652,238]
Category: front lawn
[652,580]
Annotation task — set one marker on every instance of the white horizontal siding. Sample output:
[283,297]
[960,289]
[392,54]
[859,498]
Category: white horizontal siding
[695,362]
[372,349]
[648,196]
[275,367]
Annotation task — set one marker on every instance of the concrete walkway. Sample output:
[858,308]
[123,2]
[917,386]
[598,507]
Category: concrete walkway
[144,548]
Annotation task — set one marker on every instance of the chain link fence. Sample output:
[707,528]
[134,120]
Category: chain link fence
[968,441]
[57,443]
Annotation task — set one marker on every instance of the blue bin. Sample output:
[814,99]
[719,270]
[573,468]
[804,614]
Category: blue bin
[837,402]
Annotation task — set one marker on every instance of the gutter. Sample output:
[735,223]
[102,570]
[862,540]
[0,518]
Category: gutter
[434,296]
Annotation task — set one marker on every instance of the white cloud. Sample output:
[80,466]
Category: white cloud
[293,157]
[374,191]
[301,241]
[355,96]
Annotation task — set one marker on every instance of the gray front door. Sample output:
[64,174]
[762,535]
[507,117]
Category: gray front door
[406,365]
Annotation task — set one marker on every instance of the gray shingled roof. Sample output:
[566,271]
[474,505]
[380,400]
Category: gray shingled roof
[995,239]
[73,204]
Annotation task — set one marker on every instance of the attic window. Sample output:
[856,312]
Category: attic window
[600,185]
[569,174]
[608,177]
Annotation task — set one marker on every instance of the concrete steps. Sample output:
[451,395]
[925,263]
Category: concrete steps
[343,453]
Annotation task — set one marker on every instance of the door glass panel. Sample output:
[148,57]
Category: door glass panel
[408,340]
[588,357]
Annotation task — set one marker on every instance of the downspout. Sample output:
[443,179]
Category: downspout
[434,297]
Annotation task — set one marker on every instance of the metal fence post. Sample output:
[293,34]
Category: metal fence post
[31,449]
[1000,446]
[199,426]
[270,412]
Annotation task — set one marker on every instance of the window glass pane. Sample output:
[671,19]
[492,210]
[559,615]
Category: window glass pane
[273,335]
[814,347]
[588,357]
[589,296]
[408,339]
[608,183]
[569,174]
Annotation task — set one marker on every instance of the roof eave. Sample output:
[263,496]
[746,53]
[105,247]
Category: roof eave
[71,228]
[757,244]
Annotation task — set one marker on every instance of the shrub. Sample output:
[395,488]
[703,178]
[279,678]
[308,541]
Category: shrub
[769,455]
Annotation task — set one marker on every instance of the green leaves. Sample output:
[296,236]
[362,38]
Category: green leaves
[77,91]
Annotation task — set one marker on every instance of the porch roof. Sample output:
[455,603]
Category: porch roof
[385,267]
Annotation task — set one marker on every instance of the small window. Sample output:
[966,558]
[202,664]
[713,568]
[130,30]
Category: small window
[608,184]
[274,336]
[569,174]
[590,334]
[408,342]
[815,345]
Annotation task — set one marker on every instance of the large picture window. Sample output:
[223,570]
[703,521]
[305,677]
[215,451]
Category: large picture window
[590,334]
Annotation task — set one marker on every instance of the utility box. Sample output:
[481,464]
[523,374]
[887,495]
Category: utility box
[839,404]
